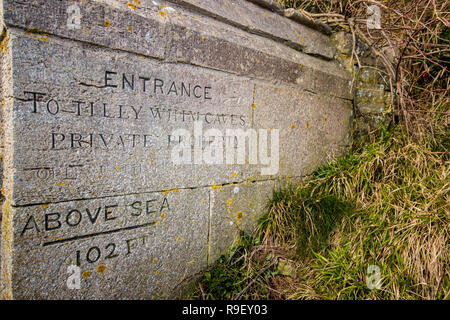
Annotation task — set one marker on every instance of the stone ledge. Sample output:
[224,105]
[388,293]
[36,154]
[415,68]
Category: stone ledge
[255,19]
[100,24]
[150,29]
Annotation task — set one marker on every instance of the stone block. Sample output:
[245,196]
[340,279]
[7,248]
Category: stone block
[97,98]
[95,123]
[130,247]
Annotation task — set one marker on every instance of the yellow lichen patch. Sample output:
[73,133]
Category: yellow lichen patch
[250,203]
[62,184]
[157,272]
[179,239]
[117,168]
[325,119]
[251,178]
[216,186]
[162,215]
[162,14]
[301,39]
[343,122]
[171,190]
[293,126]
[45,205]
[156,223]
[253,106]
[318,97]
[266,14]
[300,65]
[239,215]
[203,37]
[131,5]
[307,124]
[154,260]
[40,35]
[106,23]
[202,201]
[130,28]
[220,190]
[233,175]
[138,2]
[229,202]
[101,268]
[3,190]
[59,238]
[4,44]
[86,274]
[191,262]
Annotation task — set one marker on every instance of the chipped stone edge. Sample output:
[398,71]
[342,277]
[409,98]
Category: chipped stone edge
[294,15]
[269,4]
[302,18]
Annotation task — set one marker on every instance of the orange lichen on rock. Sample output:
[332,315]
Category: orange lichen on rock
[131,5]
[40,35]
[101,268]
[4,44]
[171,190]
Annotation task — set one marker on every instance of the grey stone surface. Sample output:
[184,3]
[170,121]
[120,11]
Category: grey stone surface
[131,247]
[302,18]
[236,208]
[269,4]
[88,117]
[56,166]
[256,19]
[336,86]
[313,128]
[117,27]
[213,44]
[149,23]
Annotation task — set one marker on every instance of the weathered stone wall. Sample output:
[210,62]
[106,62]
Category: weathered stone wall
[371,85]
[91,96]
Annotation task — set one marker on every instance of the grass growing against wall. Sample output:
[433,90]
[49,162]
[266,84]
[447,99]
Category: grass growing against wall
[387,205]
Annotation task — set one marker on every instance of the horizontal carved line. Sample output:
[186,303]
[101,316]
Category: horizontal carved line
[91,235]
